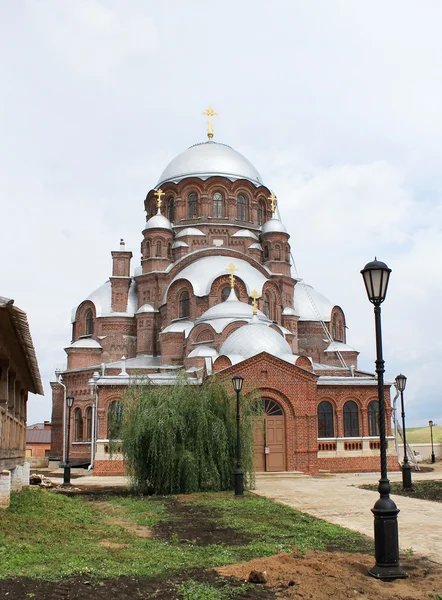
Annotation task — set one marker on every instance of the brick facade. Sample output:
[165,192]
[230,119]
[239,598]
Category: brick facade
[150,319]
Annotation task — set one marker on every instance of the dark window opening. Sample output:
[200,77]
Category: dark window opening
[325,420]
[351,419]
[217,205]
[241,206]
[373,418]
[184,304]
[192,206]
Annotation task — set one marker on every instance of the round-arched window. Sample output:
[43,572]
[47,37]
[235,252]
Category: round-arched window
[325,420]
[351,419]
[192,206]
[114,420]
[241,208]
[184,303]
[373,418]
[261,212]
[89,329]
[171,209]
[217,205]
[78,425]
[88,423]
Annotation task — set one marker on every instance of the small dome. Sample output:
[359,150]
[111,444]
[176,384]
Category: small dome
[102,300]
[146,308]
[85,343]
[245,233]
[203,351]
[254,338]
[207,159]
[289,311]
[310,305]
[158,221]
[180,245]
[273,225]
[189,231]
[231,309]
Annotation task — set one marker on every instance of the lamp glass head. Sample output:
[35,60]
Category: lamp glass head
[401,382]
[376,275]
[430,423]
[70,401]
[237,382]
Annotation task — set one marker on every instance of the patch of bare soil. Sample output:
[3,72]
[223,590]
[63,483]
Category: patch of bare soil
[127,588]
[198,525]
[324,575]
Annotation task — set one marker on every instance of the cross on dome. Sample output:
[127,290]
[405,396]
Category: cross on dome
[274,201]
[159,194]
[231,268]
[210,112]
[255,295]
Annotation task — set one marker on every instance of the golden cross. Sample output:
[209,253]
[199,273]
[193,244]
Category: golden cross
[159,193]
[231,268]
[210,113]
[274,201]
[255,295]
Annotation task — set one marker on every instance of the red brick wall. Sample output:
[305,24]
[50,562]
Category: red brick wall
[357,464]
[109,467]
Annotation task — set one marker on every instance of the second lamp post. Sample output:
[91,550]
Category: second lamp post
[67,466]
[433,456]
[237,382]
[401,382]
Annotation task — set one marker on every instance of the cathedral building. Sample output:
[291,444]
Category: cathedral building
[214,294]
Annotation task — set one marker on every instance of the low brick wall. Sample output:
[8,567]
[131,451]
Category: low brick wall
[356,464]
[109,467]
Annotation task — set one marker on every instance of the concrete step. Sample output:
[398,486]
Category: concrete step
[280,474]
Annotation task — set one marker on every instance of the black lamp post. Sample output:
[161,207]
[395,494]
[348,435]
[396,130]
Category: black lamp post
[401,382]
[433,456]
[237,382]
[67,466]
[386,539]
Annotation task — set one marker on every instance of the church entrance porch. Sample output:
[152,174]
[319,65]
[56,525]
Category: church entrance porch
[270,446]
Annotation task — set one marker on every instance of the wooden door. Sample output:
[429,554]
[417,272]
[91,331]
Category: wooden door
[269,432]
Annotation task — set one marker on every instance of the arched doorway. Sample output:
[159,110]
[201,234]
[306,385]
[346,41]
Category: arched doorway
[270,452]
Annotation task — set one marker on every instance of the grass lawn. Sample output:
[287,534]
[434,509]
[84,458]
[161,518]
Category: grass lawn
[422,490]
[50,536]
[421,435]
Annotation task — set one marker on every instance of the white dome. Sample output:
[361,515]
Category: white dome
[254,338]
[189,231]
[306,299]
[273,225]
[102,300]
[207,159]
[203,351]
[158,221]
[146,308]
[85,343]
[231,310]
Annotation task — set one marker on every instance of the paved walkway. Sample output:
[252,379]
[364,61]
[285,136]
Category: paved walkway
[339,500]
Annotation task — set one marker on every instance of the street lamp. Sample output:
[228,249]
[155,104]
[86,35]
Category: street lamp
[386,539]
[433,456]
[401,382]
[67,466]
[237,382]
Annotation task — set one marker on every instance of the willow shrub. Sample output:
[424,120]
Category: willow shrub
[183,438]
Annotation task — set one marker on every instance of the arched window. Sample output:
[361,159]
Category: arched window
[225,293]
[114,420]
[218,205]
[287,253]
[184,304]
[192,206]
[147,249]
[261,212]
[266,252]
[325,420]
[241,206]
[267,305]
[170,210]
[88,423]
[78,425]
[158,252]
[277,253]
[373,418]
[89,323]
[351,419]
[169,250]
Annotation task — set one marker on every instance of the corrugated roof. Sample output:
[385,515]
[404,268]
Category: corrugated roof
[38,436]
[21,326]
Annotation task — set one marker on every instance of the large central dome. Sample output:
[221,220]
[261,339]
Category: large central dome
[207,159]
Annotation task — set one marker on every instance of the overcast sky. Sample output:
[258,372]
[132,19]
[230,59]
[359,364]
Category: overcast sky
[337,104]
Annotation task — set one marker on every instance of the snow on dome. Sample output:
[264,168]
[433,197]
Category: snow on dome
[305,308]
[273,225]
[339,347]
[101,298]
[178,326]
[289,311]
[189,231]
[158,221]
[254,338]
[202,273]
[85,343]
[245,233]
[180,245]
[207,159]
